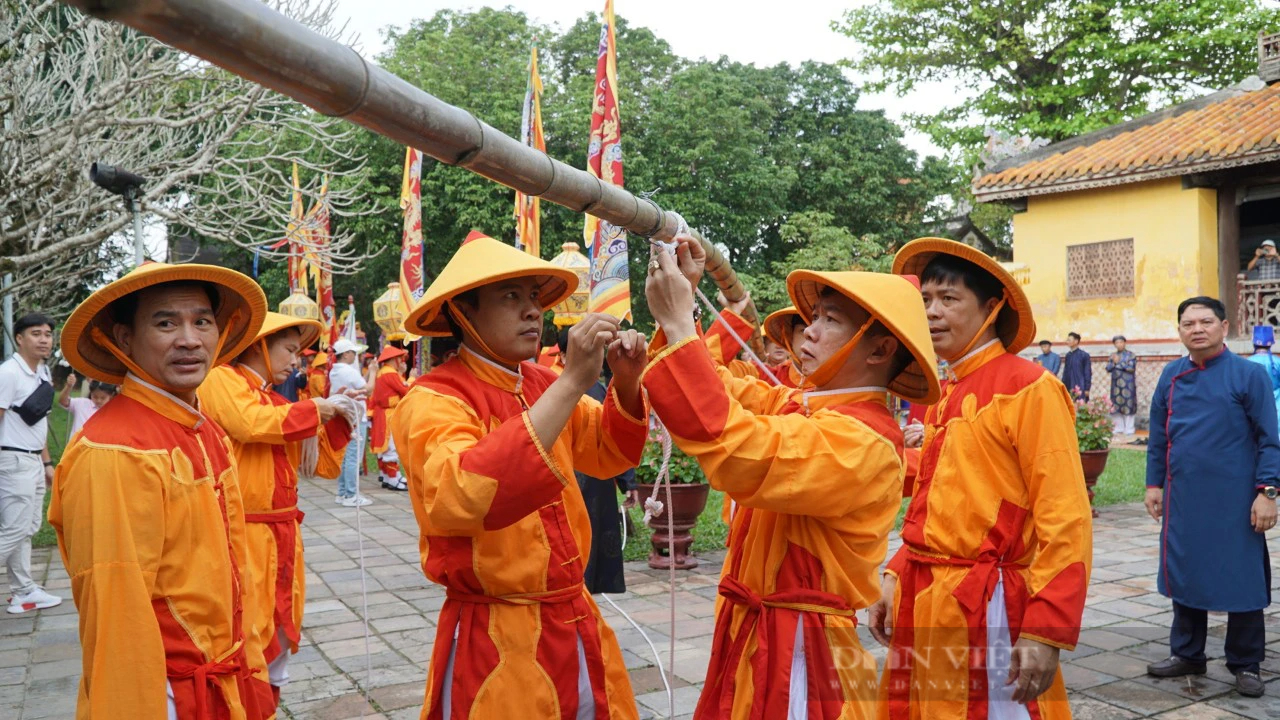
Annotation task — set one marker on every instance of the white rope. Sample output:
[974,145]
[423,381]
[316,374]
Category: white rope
[653,508]
[364,586]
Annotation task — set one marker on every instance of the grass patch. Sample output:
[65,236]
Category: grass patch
[1124,480]
[59,421]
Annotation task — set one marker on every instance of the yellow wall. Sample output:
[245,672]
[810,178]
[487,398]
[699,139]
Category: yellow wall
[1175,249]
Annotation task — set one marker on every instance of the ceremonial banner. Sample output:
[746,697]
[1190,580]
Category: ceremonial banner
[317,225]
[293,235]
[607,244]
[412,285]
[528,224]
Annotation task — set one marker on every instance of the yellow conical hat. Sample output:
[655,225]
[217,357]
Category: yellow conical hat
[894,301]
[241,307]
[480,261]
[777,327]
[275,322]
[1015,325]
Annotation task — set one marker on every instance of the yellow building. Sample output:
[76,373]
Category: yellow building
[1116,227]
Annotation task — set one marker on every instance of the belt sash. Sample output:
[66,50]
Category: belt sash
[718,700]
[283,523]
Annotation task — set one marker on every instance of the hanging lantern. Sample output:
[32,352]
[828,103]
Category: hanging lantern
[389,313]
[300,306]
[573,308]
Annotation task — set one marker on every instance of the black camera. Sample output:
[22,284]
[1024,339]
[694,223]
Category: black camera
[115,180]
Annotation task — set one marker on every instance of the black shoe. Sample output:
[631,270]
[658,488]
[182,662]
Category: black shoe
[1175,667]
[1249,684]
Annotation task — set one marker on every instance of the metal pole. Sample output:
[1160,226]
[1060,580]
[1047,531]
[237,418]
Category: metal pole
[251,40]
[8,317]
[139,250]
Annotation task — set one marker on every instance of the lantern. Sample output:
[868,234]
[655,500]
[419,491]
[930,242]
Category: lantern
[573,308]
[389,313]
[300,306]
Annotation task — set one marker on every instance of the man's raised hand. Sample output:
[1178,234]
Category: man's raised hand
[588,341]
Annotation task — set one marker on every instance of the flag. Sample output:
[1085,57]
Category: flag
[607,243]
[293,235]
[412,285]
[315,234]
[528,225]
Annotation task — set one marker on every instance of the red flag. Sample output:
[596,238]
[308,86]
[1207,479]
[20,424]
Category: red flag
[607,243]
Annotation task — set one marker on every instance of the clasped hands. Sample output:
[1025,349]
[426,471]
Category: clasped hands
[596,336]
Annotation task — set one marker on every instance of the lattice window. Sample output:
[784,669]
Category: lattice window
[1099,270]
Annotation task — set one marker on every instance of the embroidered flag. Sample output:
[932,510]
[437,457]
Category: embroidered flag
[528,224]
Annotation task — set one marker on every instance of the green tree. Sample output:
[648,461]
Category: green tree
[1054,68]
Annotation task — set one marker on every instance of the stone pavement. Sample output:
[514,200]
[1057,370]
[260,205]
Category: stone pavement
[1126,627]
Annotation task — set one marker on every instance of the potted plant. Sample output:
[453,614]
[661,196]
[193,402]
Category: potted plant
[688,499]
[1093,433]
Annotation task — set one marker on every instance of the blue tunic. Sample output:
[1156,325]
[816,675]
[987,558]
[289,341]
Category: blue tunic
[1049,361]
[1077,372]
[1269,361]
[1213,443]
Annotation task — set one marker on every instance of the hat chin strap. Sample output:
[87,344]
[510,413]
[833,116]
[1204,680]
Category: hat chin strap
[109,345]
[827,370]
[991,318]
[266,361]
[470,331]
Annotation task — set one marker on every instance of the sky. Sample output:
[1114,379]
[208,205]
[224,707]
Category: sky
[694,28]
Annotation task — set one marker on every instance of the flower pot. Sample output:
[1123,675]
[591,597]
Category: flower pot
[687,503]
[1093,462]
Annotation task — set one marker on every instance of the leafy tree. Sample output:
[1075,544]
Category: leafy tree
[1054,68]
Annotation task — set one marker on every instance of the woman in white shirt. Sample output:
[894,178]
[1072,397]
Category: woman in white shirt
[82,409]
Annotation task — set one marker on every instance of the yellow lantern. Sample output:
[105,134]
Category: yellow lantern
[300,306]
[389,314]
[573,308]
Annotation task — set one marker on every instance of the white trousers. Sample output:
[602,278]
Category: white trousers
[1123,423]
[278,669]
[1000,704]
[21,511]
[586,699]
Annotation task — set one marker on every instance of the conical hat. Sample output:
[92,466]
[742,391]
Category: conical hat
[275,322]
[480,261]
[391,352]
[240,310]
[777,326]
[1015,325]
[895,302]
[320,360]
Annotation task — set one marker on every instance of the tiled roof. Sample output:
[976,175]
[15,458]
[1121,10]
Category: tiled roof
[1227,129]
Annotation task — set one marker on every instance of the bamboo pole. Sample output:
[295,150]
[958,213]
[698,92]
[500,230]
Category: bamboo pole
[261,45]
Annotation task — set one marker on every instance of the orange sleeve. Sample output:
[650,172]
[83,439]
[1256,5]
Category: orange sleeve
[1042,419]
[472,481]
[227,398]
[607,439]
[720,341]
[111,528]
[333,446]
[784,463]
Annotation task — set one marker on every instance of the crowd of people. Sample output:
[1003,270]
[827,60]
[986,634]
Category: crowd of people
[176,502]
[1075,369]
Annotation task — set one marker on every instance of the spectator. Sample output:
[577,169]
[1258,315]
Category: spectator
[346,377]
[1264,336]
[81,409]
[1265,264]
[26,397]
[293,384]
[1077,369]
[1048,359]
[1212,471]
[1123,366]
[603,573]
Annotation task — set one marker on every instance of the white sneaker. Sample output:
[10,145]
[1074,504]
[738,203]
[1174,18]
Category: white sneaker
[357,501]
[37,599]
[338,499]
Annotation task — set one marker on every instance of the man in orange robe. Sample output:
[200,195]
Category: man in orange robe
[783,335]
[318,376]
[490,443]
[267,436]
[817,476]
[147,505]
[388,387]
[997,539]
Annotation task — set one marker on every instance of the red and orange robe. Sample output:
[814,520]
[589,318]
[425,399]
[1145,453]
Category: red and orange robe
[999,516]
[818,483]
[504,529]
[266,432]
[388,388]
[150,524]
